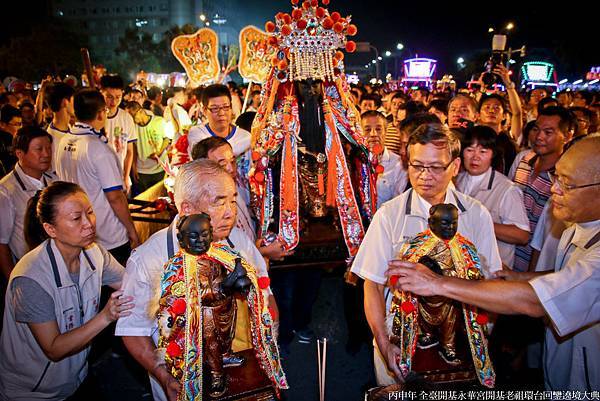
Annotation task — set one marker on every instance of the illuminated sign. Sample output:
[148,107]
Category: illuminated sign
[419,68]
[539,71]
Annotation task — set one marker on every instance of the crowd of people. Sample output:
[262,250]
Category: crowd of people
[523,169]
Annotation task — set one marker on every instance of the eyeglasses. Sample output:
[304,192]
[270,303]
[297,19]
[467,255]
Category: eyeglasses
[435,170]
[555,179]
[217,109]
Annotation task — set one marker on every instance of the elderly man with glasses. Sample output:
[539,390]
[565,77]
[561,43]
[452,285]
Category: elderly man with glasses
[568,297]
[434,161]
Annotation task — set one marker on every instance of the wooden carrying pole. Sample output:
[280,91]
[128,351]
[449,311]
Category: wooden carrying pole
[87,66]
[322,366]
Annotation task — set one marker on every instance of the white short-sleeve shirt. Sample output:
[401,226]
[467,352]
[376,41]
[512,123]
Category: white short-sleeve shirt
[57,135]
[571,298]
[16,188]
[120,130]
[546,238]
[392,182]
[86,159]
[142,281]
[504,201]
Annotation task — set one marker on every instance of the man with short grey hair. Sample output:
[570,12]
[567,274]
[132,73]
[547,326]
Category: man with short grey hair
[201,186]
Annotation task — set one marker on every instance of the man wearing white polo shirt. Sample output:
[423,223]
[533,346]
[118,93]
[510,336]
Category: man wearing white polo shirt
[85,158]
[216,101]
[569,296]
[119,128]
[201,186]
[33,148]
[433,161]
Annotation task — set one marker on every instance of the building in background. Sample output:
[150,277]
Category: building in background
[105,21]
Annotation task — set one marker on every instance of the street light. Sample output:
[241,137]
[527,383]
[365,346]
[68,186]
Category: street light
[202,17]
[460,60]
[510,26]
[374,61]
[388,53]
[379,58]
[490,29]
[399,46]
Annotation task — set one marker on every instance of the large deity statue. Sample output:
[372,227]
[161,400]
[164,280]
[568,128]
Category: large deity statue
[309,155]
[197,313]
[425,322]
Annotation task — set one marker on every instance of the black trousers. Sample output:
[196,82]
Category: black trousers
[295,292]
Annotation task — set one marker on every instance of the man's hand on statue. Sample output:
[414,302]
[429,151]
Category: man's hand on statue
[275,251]
[510,275]
[392,355]
[412,277]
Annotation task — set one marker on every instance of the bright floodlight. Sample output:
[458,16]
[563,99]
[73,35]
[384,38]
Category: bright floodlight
[460,60]
[399,46]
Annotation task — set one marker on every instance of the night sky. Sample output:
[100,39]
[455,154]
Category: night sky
[562,33]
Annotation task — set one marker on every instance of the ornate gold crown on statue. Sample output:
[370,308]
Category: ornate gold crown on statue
[308,40]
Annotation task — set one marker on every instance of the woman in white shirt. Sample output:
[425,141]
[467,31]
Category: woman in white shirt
[53,297]
[499,195]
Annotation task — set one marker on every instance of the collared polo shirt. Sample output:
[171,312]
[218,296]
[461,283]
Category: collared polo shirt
[504,201]
[571,298]
[85,158]
[16,189]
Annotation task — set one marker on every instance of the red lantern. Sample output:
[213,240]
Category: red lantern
[295,2]
[320,13]
[297,14]
[335,16]
[259,177]
[314,3]
[339,55]
[273,41]
[178,306]
[287,19]
[264,283]
[286,30]
[283,64]
[328,23]
[351,30]
[350,46]
[325,2]
[301,24]
[174,350]
[338,28]
[306,4]
[270,26]
[482,319]
[407,307]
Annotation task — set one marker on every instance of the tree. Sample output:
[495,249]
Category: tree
[137,51]
[170,63]
[50,48]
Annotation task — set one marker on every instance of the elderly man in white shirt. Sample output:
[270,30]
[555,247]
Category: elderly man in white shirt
[33,148]
[569,296]
[201,186]
[433,162]
[392,181]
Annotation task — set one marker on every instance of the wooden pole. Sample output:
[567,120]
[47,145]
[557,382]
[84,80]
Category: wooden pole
[87,66]
[247,96]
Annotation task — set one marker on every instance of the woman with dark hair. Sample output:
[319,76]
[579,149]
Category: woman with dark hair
[53,298]
[499,195]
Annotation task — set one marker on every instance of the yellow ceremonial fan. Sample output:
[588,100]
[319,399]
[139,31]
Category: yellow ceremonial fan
[256,54]
[198,54]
